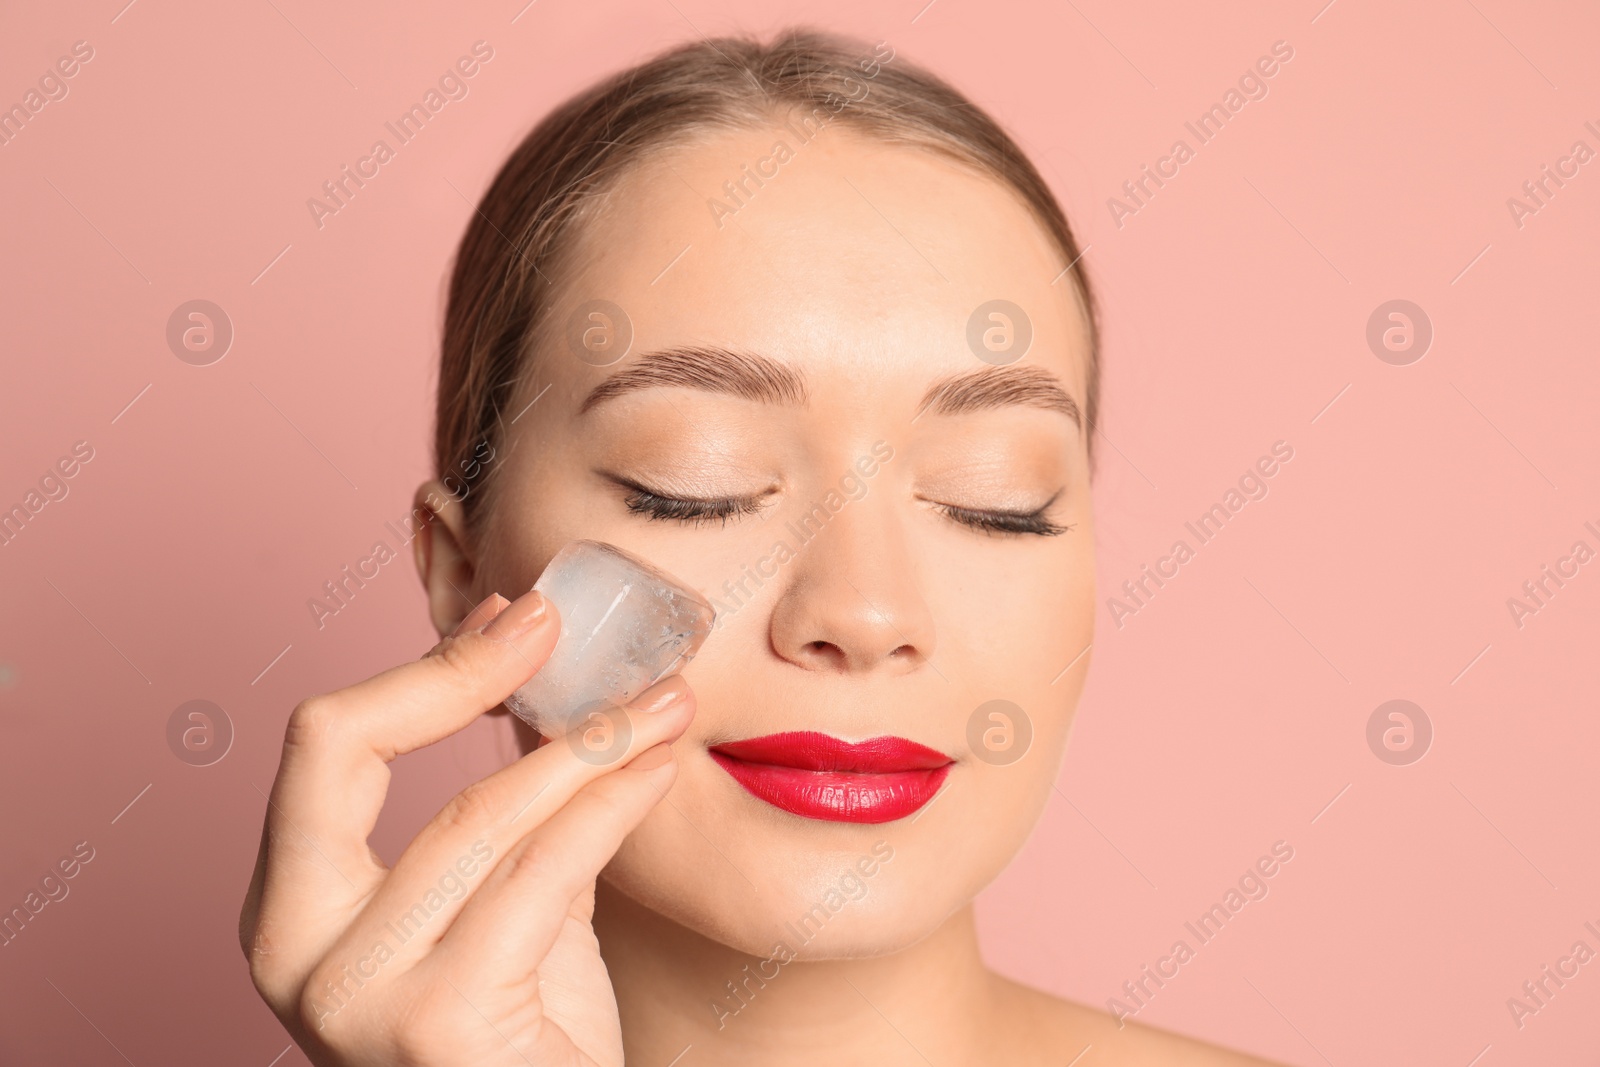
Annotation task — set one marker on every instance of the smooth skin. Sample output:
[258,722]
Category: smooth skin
[621,903]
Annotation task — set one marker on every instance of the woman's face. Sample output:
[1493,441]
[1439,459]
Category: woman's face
[899,530]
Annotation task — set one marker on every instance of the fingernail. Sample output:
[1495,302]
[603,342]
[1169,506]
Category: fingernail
[662,695]
[486,609]
[525,612]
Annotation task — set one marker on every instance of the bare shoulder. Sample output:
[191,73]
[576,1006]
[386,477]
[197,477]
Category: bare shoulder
[1047,1028]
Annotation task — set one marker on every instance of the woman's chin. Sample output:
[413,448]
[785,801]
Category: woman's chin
[824,916]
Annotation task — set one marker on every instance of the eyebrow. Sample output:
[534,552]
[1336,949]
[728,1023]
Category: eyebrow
[716,370]
[770,381]
[998,387]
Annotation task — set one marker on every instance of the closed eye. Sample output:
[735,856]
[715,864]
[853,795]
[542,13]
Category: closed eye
[689,510]
[1008,522]
[695,511]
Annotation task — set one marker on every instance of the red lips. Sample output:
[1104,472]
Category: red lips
[822,777]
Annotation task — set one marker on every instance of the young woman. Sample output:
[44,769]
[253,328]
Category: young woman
[803,327]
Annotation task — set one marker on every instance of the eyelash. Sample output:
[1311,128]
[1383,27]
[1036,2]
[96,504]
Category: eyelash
[697,512]
[1007,522]
[693,512]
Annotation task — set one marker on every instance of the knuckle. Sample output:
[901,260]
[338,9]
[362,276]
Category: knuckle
[471,809]
[437,650]
[465,661]
[325,1000]
[485,669]
[248,931]
[312,721]
[535,861]
[458,655]
[267,973]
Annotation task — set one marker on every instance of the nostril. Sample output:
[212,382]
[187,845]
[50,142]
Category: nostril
[826,654]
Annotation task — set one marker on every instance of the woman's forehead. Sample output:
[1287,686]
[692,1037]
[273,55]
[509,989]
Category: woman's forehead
[837,249]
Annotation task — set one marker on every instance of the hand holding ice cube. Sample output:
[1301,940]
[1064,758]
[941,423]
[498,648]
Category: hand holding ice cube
[476,947]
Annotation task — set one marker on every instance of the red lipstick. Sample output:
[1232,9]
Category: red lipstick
[822,777]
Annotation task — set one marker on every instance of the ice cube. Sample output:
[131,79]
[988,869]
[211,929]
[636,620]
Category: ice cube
[625,625]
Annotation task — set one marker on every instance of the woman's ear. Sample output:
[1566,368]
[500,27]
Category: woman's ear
[443,558]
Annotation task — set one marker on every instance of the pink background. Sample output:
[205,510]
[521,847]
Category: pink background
[1224,716]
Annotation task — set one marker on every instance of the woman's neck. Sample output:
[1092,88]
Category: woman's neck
[677,990]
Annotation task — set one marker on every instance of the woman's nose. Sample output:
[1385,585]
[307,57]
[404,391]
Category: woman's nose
[853,602]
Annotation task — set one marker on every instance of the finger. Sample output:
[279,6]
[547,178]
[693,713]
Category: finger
[331,778]
[252,900]
[488,608]
[507,927]
[253,938]
[444,863]
[333,774]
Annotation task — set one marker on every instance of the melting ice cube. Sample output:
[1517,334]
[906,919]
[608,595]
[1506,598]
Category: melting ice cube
[625,625]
